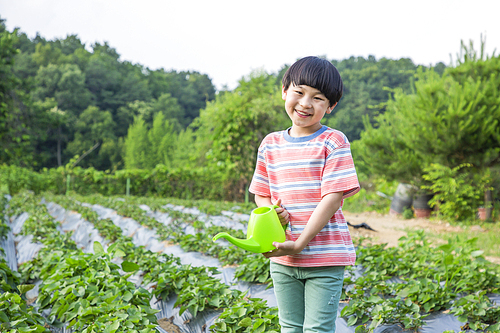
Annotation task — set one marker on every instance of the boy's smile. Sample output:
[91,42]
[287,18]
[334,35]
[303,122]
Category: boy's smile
[305,106]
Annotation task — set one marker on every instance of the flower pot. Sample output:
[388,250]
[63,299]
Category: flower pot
[422,212]
[482,213]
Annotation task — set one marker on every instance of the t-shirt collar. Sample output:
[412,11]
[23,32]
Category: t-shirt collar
[303,138]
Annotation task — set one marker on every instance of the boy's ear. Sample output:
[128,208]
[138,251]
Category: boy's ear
[283,93]
[330,108]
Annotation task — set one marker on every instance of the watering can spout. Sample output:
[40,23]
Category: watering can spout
[248,244]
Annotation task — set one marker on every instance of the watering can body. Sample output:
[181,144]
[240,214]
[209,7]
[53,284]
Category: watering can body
[263,229]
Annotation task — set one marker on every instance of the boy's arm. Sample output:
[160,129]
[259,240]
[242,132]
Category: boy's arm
[261,201]
[328,205]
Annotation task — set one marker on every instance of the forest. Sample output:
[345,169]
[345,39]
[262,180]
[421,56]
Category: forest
[64,100]
[80,109]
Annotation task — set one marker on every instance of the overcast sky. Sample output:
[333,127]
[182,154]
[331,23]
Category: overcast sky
[228,39]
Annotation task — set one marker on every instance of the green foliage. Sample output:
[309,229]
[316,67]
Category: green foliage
[16,316]
[160,144]
[94,127]
[408,213]
[137,145]
[404,284]
[194,183]
[449,120]
[365,90]
[231,128]
[374,195]
[74,78]
[88,292]
[254,269]
[250,315]
[458,192]
[478,312]
[16,131]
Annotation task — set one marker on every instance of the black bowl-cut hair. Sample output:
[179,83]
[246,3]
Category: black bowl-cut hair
[317,73]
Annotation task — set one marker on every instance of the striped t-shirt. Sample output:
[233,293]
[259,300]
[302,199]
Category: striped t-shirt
[300,171]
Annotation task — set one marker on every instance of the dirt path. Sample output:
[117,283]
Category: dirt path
[389,228]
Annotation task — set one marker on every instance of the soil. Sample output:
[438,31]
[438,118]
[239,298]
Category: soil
[168,325]
[390,227]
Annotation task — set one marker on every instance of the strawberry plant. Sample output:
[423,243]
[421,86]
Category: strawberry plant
[478,312]
[16,316]
[402,285]
[88,292]
[254,268]
[248,315]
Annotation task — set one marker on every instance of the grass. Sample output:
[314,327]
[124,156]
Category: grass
[487,235]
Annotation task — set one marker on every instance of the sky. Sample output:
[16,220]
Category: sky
[227,40]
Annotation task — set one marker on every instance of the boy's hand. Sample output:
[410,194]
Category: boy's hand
[282,213]
[283,249]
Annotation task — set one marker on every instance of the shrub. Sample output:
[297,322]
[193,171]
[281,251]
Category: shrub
[458,191]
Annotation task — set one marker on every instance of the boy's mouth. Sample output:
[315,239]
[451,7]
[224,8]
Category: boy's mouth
[302,113]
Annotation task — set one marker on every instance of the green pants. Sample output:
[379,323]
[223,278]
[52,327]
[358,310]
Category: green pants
[307,297]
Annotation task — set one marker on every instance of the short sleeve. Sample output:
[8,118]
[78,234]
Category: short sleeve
[339,174]
[260,180]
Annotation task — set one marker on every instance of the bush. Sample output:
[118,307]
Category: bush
[458,191]
[186,183]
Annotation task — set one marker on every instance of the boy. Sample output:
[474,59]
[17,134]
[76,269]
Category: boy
[308,171]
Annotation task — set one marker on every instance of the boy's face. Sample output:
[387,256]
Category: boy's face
[305,106]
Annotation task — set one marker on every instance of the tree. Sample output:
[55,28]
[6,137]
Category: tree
[54,121]
[446,121]
[93,128]
[192,91]
[231,128]
[365,90]
[170,108]
[16,140]
[136,145]
[71,93]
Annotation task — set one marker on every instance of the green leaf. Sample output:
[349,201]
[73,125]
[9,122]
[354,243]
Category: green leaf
[127,296]
[98,249]
[352,320]
[128,266]
[112,328]
[118,254]
[246,322]
[241,312]
[23,288]
[476,253]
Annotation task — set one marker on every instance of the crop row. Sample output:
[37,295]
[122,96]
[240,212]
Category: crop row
[400,285]
[81,291]
[429,279]
[251,268]
[238,310]
[404,284]
[195,286]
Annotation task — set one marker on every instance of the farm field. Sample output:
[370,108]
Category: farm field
[137,264]
[389,228]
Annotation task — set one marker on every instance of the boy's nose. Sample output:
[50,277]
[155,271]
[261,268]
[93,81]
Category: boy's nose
[305,102]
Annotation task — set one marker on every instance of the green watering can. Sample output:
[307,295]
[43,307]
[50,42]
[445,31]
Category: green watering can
[263,229]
